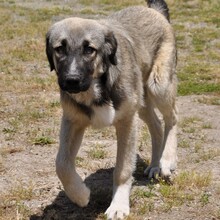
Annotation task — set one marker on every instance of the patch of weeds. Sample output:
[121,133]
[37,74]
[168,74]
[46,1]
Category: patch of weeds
[124,3]
[205,198]
[180,41]
[191,180]
[106,133]
[189,120]
[207,126]
[86,2]
[14,122]
[198,43]
[192,87]
[80,162]
[97,152]
[184,144]
[55,104]
[209,100]
[13,201]
[189,124]
[119,3]
[142,199]
[144,193]
[91,11]
[22,192]
[44,83]
[198,147]
[33,46]
[174,196]
[209,155]
[43,140]
[43,14]
[146,207]
[8,130]
[185,188]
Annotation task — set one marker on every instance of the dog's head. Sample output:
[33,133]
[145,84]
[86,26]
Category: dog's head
[80,50]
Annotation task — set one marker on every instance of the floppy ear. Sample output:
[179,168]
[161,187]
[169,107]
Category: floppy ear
[111,47]
[49,53]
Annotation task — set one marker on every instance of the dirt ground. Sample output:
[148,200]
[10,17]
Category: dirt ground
[30,189]
[34,167]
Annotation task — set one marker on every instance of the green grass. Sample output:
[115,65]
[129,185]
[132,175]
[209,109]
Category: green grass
[43,140]
[198,49]
[97,152]
[119,3]
[186,188]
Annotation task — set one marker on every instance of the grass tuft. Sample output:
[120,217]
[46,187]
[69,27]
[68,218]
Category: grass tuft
[97,152]
[43,140]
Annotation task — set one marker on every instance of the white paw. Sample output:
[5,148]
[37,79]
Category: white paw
[117,211]
[167,167]
[79,195]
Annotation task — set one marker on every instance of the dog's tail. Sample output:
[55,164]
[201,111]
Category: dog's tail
[160,6]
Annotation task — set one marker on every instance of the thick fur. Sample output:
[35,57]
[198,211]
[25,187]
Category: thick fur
[161,6]
[109,72]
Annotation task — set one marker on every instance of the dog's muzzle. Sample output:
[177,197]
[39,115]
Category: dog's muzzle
[73,84]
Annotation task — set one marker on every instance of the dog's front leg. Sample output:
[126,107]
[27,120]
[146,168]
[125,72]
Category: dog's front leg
[70,140]
[125,164]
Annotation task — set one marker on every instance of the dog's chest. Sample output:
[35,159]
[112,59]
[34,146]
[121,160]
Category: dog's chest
[103,116]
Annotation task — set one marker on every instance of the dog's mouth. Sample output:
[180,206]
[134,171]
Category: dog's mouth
[73,87]
[75,91]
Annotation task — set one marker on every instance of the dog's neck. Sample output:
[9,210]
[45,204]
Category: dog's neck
[95,103]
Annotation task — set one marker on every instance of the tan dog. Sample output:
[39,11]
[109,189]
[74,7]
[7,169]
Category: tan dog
[109,71]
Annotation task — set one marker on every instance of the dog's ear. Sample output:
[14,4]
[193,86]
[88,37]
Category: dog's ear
[49,52]
[111,47]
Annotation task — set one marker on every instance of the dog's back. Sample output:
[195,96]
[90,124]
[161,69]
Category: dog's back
[146,29]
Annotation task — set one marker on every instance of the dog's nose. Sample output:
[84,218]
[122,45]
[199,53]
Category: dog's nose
[72,82]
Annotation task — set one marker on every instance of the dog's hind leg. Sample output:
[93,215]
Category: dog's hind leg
[161,90]
[164,141]
[70,141]
[169,147]
[148,115]
[125,165]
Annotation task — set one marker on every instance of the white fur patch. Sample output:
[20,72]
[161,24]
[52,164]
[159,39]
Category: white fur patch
[119,207]
[103,116]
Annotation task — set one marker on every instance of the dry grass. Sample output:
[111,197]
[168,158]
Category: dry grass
[12,205]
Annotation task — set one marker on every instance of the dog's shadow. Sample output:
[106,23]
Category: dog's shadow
[100,184]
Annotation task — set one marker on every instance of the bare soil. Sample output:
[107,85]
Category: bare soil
[34,166]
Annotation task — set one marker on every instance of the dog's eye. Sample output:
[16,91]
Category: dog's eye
[60,50]
[89,50]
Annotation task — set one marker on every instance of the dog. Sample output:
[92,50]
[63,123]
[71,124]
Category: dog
[110,72]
